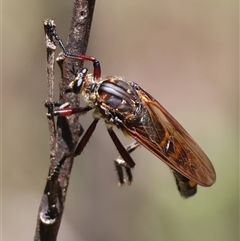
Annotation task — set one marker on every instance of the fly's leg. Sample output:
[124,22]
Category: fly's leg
[78,149]
[70,111]
[121,149]
[62,111]
[125,160]
[51,30]
[120,164]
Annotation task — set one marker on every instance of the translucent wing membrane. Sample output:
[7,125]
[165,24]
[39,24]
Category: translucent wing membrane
[161,134]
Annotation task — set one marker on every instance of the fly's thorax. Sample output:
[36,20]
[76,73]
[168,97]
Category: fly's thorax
[117,98]
[89,90]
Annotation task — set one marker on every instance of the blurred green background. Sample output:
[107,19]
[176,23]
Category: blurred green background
[185,53]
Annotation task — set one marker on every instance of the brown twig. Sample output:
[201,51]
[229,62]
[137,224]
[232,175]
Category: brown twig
[63,137]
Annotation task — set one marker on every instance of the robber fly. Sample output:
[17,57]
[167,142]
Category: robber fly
[125,105]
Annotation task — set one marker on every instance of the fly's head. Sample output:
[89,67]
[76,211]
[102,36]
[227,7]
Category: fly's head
[83,84]
[77,85]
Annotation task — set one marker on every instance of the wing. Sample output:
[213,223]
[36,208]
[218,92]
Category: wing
[160,133]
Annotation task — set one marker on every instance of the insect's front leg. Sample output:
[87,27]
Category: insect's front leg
[50,27]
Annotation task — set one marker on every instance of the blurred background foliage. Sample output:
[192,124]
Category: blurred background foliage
[185,53]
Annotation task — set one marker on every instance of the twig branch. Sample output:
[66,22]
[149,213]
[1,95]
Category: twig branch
[50,47]
[63,137]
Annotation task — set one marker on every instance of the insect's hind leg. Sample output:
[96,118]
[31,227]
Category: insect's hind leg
[120,164]
[63,111]
[78,149]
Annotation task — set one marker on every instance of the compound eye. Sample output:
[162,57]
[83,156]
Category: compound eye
[79,81]
[77,85]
